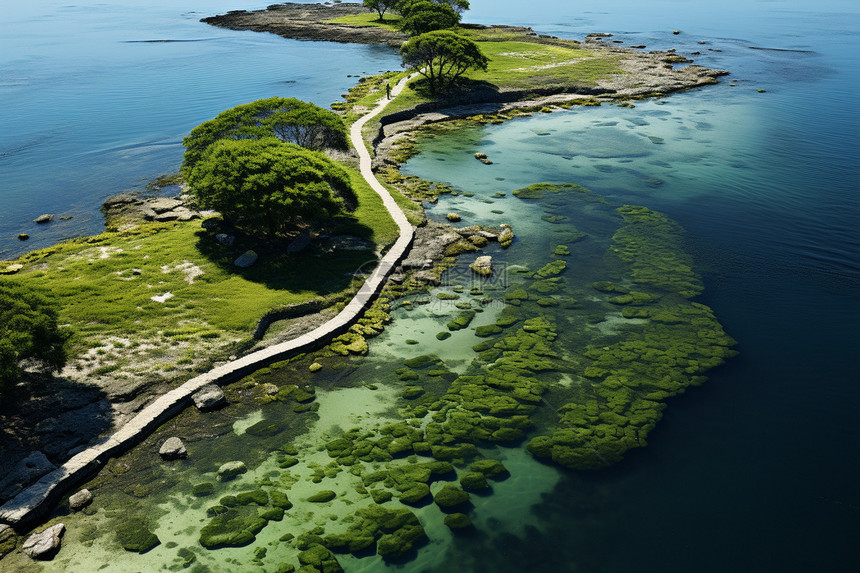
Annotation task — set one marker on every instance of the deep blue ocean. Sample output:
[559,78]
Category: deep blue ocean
[756,471]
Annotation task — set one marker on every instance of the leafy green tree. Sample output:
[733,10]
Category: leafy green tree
[269,186]
[380,6]
[28,333]
[442,57]
[422,16]
[289,119]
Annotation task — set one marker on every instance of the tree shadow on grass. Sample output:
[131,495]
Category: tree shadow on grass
[320,267]
[461,91]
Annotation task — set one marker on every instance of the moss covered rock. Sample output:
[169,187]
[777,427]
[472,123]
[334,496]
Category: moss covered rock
[323,496]
[458,521]
[134,535]
[450,496]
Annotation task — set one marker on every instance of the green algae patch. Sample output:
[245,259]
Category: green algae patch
[322,496]
[233,527]
[456,521]
[450,496]
[320,558]
[539,190]
[134,535]
[393,531]
[651,244]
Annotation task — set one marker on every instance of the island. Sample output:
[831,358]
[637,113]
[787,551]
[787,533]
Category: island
[184,294]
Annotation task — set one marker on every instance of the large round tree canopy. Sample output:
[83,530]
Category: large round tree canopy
[442,56]
[269,186]
[28,331]
[289,119]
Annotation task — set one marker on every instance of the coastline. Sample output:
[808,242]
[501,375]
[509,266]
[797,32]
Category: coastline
[392,128]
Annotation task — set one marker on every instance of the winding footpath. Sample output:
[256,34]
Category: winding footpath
[31,503]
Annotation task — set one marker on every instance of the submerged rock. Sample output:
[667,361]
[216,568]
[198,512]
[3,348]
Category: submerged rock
[46,544]
[172,449]
[80,500]
[230,470]
[209,397]
[42,219]
[483,265]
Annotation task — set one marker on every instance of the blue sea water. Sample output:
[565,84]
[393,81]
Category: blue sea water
[757,470]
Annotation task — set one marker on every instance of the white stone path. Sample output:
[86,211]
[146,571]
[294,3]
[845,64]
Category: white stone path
[31,502]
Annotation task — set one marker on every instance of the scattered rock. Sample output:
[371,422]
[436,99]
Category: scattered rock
[230,470]
[225,239]
[42,219]
[483,265]
[46,544]
[676,32]
[209,397]
[482,157]
[210,224]
[506,237]
[23,236]
[173,449]
[163,204]
[80,500]
[246,259]
[453,217]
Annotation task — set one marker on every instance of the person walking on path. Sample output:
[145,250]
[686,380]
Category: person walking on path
[387,90]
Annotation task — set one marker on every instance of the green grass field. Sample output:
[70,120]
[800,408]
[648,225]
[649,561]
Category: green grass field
[368,19]
[104,285]
[521,62]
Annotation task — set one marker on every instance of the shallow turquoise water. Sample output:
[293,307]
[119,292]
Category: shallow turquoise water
[757,470]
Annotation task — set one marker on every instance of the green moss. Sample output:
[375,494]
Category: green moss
[462,320]
[134,535]
[489,468]
[323,496]
[450,496]
[457,521]
[257,496]
[472,481]
[551,269]
[443,336]
[412,392]
[320,558]
[421,361]
[203,489]
[380,495]
[561,251]
[279,499]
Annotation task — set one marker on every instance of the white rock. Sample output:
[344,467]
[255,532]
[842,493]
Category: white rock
[230,470]
[208,397]
[80,500]
[44,545]
[173,449]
